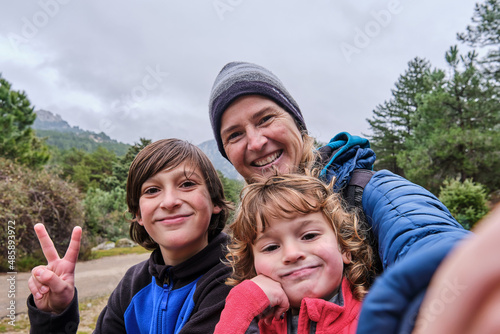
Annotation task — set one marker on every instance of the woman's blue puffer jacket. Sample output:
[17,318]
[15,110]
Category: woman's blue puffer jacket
[415,231]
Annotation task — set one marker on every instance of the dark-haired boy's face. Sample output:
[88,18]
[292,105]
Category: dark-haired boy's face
[175,209]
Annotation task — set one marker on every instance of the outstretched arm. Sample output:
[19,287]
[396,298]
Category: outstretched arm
[53,285]
[464,295]
[415,232]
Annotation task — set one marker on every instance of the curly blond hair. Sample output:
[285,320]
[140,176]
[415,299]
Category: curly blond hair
[281,196]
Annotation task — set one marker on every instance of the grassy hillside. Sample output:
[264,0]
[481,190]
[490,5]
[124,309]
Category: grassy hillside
[85,140]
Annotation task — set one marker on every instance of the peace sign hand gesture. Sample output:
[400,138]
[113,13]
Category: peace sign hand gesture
[53,285]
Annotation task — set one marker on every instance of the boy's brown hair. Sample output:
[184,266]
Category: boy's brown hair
[285,196]
[170,153]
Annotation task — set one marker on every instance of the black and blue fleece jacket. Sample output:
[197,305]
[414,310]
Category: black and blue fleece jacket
[155,298]
[414,233]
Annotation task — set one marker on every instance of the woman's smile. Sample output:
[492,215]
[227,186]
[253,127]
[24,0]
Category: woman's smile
[268,160]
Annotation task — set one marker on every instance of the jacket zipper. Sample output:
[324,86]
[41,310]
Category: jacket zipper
[163,304]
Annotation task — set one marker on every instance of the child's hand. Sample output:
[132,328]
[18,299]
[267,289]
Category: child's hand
[278,300]
[53,285]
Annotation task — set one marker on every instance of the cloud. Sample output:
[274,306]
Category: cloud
[92,62]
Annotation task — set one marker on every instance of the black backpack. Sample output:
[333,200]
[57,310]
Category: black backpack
[353,195]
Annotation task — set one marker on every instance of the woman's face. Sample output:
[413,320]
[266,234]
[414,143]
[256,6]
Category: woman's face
[258,134]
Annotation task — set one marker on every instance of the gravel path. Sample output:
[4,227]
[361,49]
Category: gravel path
[95,278]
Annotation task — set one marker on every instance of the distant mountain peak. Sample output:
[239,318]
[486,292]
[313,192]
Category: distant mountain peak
[210,148]
[47,116]
[60,134]
[46,120]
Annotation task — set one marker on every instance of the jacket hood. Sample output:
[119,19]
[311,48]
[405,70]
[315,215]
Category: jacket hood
[342,155]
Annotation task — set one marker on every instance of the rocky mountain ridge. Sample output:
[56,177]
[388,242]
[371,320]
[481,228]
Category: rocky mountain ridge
[60,134]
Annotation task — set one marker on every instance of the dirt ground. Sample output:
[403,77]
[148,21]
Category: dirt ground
[94,279]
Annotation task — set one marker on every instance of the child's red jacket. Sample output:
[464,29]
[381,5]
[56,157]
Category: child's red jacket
[247,300]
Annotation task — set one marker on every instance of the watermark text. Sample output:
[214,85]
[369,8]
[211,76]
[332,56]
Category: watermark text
[11,275]
[363,36]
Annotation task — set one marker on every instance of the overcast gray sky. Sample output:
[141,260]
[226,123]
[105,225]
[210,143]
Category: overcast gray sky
[145,68]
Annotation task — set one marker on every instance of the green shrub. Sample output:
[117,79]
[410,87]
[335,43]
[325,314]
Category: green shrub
[105,214]
[30,261]
[465,200]
[28,197]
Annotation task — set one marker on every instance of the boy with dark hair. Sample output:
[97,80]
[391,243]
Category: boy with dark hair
[177,202]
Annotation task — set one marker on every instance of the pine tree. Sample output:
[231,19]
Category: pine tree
[17,140]
[392,121]
[121,167]
[89,170]
[456,129]
[485,33]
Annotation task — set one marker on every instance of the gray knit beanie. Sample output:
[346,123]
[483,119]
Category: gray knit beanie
[240,78]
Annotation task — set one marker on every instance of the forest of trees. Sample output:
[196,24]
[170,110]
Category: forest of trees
[441,127]
[86,141]
[440,130]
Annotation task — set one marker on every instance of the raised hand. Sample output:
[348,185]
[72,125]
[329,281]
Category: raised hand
[277,297]
[53,285]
